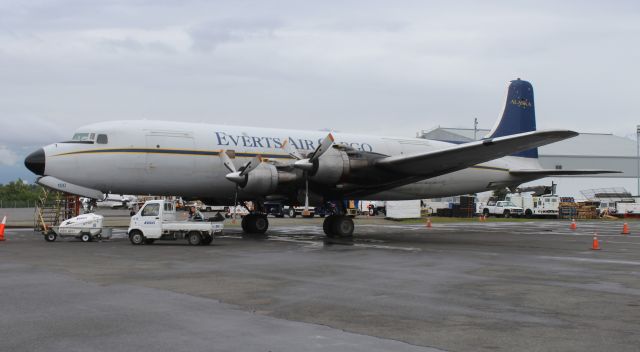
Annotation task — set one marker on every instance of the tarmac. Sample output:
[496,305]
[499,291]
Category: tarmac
[467,286]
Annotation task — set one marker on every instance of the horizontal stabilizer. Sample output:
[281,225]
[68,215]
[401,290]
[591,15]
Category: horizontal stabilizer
[439,162]
[554,172]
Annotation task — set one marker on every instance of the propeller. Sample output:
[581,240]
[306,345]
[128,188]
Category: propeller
[238,177]
[307,164]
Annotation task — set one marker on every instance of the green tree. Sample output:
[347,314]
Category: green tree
[19,191]
[500,193]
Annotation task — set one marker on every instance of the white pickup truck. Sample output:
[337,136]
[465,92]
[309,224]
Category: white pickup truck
[157,220]
[502,208]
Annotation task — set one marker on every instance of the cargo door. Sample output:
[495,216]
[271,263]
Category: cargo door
[170,156]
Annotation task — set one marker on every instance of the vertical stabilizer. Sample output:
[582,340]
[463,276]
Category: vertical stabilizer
[518,115]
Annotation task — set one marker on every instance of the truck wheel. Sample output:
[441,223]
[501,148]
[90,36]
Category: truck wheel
[485,212]
[292,213]
[136,237]
[195,238]
[207,240]
[528,214]
[50,236]
[506,214]
[86,237]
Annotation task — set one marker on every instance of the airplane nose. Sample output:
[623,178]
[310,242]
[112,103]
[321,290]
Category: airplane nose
[35,162]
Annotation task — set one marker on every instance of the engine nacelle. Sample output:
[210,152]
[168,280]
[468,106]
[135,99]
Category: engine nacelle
[262,180]
[265,179]
[331,167]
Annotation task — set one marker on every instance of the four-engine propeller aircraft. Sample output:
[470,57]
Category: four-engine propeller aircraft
[225,164]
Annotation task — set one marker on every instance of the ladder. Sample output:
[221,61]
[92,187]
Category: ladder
[53,207]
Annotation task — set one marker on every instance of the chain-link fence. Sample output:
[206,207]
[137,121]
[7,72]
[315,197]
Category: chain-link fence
[17,203]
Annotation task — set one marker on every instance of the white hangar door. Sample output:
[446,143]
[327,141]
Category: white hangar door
[170,157]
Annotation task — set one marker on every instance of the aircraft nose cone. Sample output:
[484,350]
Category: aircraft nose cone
[35,162]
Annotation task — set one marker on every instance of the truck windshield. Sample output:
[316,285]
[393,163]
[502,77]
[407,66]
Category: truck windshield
[151,210]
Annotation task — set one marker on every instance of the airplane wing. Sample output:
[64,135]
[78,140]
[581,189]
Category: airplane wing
[443,161]
[554,172]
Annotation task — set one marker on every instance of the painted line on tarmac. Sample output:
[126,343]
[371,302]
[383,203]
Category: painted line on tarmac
[637,243]
[589,260]
[377,246]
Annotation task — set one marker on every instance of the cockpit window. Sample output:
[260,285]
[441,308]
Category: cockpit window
[82,137]
[102,139]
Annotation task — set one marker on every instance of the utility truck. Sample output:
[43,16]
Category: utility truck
[157,220]
[542,206]
[502,208]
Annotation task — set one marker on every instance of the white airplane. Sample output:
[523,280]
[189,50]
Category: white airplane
[226,164]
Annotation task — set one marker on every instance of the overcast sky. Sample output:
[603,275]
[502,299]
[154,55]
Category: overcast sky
[376,67]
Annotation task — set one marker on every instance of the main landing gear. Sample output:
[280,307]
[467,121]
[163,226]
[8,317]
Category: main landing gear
[255,223]
[338,226]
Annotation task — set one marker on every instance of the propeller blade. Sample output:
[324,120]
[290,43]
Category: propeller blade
[251,165]
[291,150]
[322,148]
[226,161]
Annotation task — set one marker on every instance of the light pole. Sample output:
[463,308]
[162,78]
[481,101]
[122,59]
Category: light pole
[475,137]
[638,156]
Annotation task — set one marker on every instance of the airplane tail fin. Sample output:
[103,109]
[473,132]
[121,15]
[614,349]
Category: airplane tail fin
[518,115]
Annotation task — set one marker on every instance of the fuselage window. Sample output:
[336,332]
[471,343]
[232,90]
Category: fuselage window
[102,139]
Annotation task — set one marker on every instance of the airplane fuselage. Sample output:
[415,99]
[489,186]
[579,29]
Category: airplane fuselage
[171,158]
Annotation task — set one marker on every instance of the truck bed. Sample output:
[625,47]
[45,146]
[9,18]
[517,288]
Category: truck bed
[187,226]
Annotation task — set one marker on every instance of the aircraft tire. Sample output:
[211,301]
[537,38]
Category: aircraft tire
[245,223]
[327,225]
[343,226]
[260,224]
[136,237]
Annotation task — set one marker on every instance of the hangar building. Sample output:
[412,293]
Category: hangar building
[586,151]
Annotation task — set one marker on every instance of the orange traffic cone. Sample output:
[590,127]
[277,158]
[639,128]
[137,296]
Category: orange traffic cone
[481,218]
[596,244]
[428,223]
[4,221]
[625,229]
[573,225]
